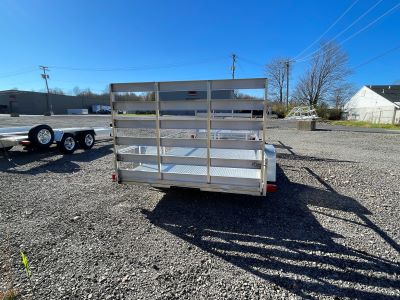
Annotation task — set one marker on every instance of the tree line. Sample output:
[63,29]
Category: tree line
[88,93]
[324,82]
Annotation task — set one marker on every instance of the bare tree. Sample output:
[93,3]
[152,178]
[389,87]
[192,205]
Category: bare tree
[76,90]
[149,96]
[276,73]
[328,71]
[341,95]
[57,91]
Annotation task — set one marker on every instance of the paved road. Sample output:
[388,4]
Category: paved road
[104,120]
[57,121]
[292,124]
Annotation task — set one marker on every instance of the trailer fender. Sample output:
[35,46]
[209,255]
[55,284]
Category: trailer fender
[270,156]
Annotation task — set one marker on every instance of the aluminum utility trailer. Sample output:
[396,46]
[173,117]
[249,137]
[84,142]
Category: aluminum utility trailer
[302,113]
[206,149]
[43,136]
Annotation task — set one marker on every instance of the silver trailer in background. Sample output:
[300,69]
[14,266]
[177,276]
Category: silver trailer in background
[43,136]
[212,145]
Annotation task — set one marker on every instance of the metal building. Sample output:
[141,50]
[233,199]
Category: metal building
[375,104]
[34,103]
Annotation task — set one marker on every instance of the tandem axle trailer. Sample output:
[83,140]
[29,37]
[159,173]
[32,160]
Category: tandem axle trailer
[43,136]
[191,137]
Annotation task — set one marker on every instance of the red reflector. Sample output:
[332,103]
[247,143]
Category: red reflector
[25,143]
[114,177]
[272,188]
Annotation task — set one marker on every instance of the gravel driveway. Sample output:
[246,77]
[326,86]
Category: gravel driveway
[332,231]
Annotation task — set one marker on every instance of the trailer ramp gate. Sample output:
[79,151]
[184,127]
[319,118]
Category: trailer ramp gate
[206,143]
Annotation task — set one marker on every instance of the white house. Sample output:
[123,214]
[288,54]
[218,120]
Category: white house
[376,104]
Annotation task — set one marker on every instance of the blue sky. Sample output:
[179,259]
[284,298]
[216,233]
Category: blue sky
[92,43]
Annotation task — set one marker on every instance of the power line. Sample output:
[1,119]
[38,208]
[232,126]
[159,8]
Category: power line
[348,27]
[251,62]
[377,57]
[329,28]
[371,23]
[16,73]
[149,67]
[111,69]
[356,33]
[242,70]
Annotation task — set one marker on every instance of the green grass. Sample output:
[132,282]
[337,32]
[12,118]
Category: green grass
[365,124]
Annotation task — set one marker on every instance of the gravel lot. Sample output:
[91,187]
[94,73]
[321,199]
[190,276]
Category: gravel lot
[332,231]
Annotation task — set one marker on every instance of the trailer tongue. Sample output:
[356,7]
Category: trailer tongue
[202,141]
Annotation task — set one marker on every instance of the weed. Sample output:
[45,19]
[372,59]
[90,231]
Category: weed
[10,294]
[25,262]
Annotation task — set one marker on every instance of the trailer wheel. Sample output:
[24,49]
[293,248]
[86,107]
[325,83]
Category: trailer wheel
[4,150]
[86,140]
[41,136]
[68,144]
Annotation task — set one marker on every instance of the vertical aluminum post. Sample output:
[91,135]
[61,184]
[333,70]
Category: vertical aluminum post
[158,135]
[114,131]
[264,162]
[208,131]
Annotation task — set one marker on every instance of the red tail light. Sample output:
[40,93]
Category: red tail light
[25,143]
[114,177]
[272,188]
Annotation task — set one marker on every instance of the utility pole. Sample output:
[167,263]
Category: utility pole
[45,76]
[287,84]
[233,75]
[233,65]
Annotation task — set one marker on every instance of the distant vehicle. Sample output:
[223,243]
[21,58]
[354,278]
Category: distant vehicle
[43,136]
[77,111]
[101,109]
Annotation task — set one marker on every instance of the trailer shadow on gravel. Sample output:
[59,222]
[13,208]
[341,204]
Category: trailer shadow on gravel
[293,156]
[279,240]
[50,160]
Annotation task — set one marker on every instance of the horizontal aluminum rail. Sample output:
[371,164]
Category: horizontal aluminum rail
[188,123]
[195,85]
[190,143]
[181,105]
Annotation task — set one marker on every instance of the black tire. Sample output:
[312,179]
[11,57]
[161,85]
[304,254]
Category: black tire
[41,136]
[86,140]
[68,144]
[3,151]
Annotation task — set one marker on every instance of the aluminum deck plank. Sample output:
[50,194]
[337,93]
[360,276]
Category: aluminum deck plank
[202,170]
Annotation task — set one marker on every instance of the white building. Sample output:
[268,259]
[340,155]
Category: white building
[376,104]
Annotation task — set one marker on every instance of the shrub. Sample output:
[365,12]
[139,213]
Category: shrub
[279,109]
[329,113]
[10,294]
